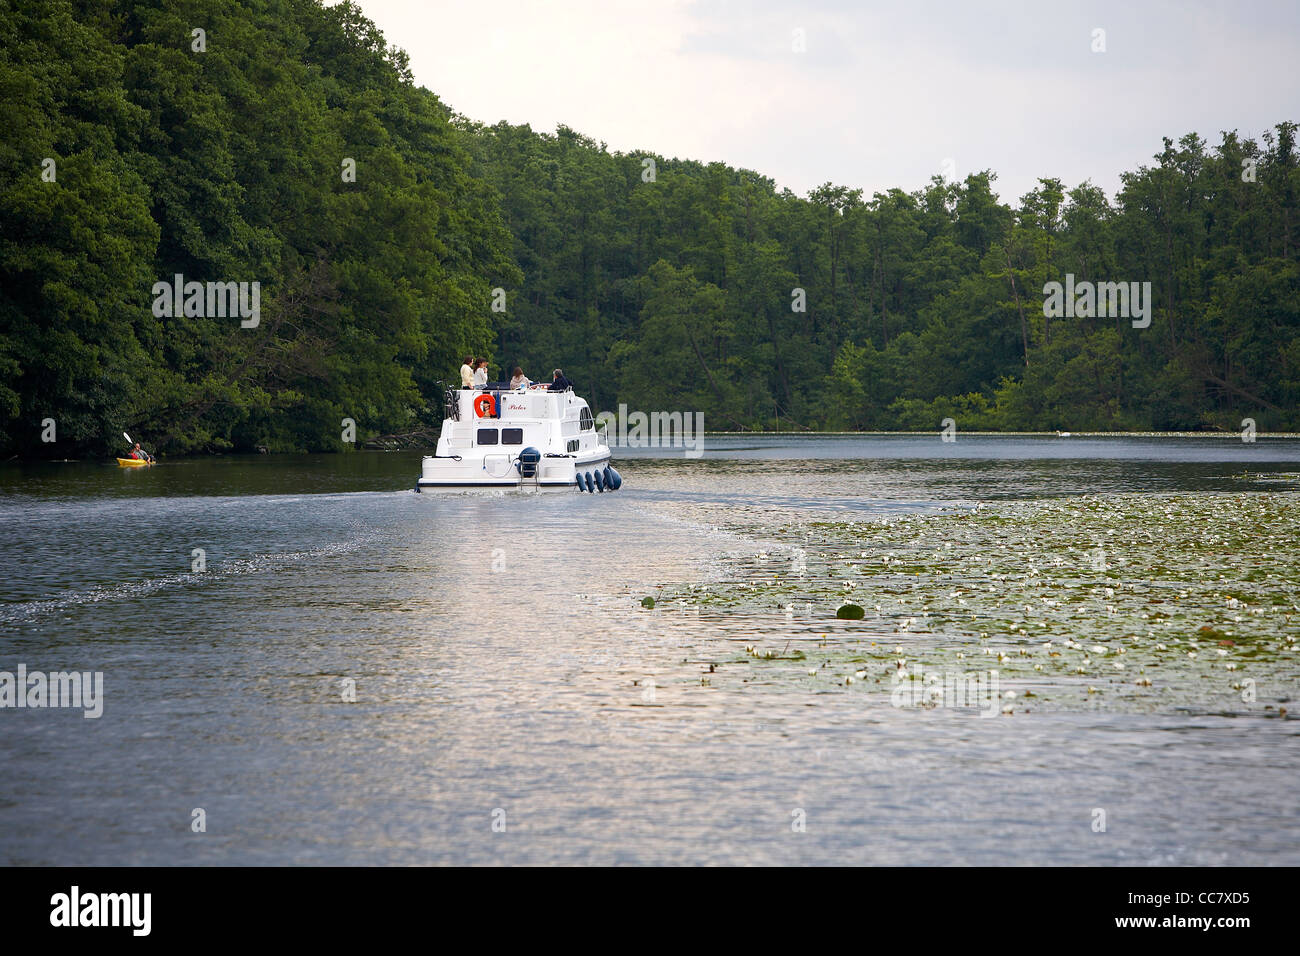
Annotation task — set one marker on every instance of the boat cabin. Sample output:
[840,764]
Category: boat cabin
[487,419]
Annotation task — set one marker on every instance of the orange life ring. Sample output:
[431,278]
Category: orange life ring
[485,406]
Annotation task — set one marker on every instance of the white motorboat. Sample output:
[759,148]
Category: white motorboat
[498,437]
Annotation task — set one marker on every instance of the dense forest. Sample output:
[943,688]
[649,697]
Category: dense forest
[285,143]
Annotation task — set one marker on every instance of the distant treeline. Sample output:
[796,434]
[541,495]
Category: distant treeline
[283,143]
[222,157]
[684,292]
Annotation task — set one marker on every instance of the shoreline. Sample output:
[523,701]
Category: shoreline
[1277,436]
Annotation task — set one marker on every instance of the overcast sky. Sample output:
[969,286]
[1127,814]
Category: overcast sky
[881,96]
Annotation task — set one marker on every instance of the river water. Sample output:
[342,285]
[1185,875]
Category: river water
[515,703]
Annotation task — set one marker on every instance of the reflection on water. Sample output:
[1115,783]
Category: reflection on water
[501,660]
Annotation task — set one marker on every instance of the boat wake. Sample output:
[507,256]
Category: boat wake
[27,612]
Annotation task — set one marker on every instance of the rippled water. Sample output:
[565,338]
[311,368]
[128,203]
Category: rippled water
[505,671]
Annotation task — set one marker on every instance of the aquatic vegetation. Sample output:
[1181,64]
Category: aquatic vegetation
[1143,601]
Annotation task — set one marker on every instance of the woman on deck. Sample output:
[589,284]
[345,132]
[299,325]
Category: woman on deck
[519,379]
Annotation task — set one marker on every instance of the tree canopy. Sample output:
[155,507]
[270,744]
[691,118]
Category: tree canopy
[285,143]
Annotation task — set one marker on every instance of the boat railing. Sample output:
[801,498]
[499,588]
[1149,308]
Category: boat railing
[451,402]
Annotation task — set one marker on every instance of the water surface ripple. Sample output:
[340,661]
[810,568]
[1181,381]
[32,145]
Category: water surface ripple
[501,662]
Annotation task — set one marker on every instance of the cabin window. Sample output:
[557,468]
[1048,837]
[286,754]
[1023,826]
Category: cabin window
[585,421]
[572,446]
[486,436]
[512,436]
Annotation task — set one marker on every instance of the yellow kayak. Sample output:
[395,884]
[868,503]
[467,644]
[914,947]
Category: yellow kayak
[133,462]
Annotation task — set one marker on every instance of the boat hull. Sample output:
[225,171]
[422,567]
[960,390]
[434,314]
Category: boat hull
[559,474]
[555,473]
[133,463]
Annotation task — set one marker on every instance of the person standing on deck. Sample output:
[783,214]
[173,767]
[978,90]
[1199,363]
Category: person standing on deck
[467,372]
[480,373]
